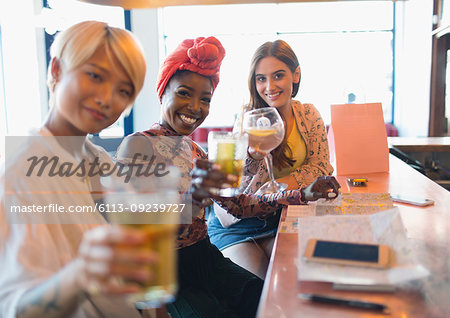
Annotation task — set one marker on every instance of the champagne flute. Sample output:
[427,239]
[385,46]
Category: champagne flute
[265,129]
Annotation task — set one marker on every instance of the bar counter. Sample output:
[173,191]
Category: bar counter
[427,230]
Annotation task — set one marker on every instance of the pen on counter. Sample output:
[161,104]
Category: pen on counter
[345,302]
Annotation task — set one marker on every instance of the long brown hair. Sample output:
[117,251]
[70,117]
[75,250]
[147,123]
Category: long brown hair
[282,155]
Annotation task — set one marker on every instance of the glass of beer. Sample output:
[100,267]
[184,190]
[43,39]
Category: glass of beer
[228,150]
[154,207]
[163,287]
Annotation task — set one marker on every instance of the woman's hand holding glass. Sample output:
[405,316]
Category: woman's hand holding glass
[325,187]
[114,260]
[228,150]
[207,177]
[265,129]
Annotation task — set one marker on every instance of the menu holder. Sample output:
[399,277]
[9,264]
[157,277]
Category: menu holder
[357,139]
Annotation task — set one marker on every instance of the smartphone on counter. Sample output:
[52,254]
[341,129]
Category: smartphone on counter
[357,182]
[347,253]
[411,200]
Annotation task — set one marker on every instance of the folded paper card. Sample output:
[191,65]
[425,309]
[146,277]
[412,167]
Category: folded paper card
[346,203]
[357,139]
[354,203]
[385,227]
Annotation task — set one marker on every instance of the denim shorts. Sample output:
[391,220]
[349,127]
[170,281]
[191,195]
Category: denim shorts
[246,230]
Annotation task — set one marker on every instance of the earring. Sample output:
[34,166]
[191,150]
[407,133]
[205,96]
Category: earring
[52,83]
[54,78]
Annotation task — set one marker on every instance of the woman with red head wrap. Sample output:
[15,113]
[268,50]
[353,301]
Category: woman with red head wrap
[193,61]
[202,55]
[209,284]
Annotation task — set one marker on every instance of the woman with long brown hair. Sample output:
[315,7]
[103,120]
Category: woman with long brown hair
[301,158]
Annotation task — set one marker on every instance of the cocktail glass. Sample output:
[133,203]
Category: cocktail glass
[265,129]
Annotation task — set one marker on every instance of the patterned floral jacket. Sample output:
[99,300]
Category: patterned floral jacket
[317,161]
[316,164]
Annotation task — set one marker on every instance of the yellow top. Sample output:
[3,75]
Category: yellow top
[298,147]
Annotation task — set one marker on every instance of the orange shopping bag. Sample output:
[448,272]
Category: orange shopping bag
[357,139]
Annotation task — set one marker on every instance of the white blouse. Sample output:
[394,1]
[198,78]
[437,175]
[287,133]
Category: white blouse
[30,250]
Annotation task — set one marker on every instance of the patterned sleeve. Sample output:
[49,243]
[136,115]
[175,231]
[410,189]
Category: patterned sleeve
[250,173]
[250,205]
[317,163]
[312,128]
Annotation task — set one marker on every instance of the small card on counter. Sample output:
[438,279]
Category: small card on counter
[300,211]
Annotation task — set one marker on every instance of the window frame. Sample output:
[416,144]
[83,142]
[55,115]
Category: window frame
[440,45]
[280,34]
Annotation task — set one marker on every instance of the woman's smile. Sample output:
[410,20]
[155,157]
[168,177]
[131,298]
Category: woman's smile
[185,102]
[187,119]
[95,113]
[273,96]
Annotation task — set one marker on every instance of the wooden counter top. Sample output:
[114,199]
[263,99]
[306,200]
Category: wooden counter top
[420,144]
[428,231]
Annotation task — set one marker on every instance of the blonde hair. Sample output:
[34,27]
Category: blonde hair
[75,45]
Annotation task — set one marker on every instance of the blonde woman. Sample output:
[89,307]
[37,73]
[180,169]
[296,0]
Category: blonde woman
[64,270]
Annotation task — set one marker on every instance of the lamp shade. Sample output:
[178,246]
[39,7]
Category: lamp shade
[127,4]
[140,4]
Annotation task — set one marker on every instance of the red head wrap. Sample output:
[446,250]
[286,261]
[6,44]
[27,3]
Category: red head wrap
[202,56]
